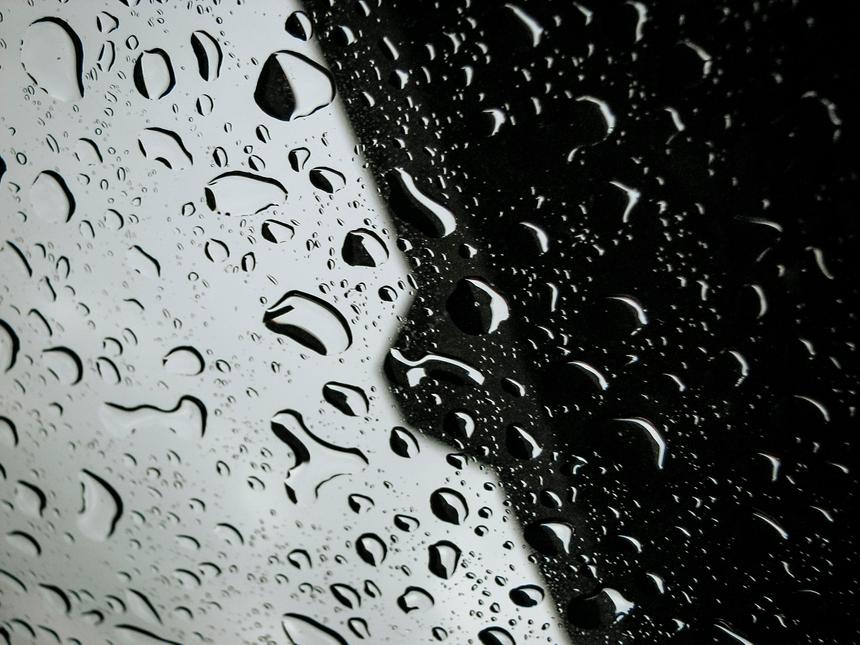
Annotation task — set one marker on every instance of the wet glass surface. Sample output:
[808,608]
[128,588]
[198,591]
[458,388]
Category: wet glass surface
[405,322]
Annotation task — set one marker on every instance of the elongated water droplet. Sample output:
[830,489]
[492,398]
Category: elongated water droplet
[52,54]
[101,507]
[310,321]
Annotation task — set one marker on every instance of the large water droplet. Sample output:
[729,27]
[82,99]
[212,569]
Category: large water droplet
[477,308]
[495,636]
[184,360]
[550,537]
[598,610]
[101,507]
[291,86]
[310,321]
[449,506]
[51,198]
[243,193]
[526,595]
[53,55]
[208,53]
[187,420]
[416,207]
[415,599]
[298,25]
[301,630]
[153,74]
[165,147]
[371,549]
[444,558]
[363,247]
[349,399]
[316,461]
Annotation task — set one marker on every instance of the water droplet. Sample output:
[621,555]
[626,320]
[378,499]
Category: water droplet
[477,308]
[208,53]
[184,360]
[51,198]
[403,443]
[316,461]
[310,321]
[598,610]
[101,507]
[346,595]
[415,599]
[521,444]
[656,439]
[363,247]
[371,549]
[302,630]
[416,207]
[9,346]
[53,54]
[64,364]
[328,180]
[449,506]
[299,26]
[526,595]
[8,433]
[243,193]
[165,147]
[459,423]
[153,74]
[550,537]
[349,399]
[292,86]
[495,636]
[444,558]
[24,543]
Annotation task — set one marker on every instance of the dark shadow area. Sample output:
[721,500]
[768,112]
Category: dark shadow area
[697,161]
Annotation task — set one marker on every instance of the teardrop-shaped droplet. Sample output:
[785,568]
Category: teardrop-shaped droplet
[52,54]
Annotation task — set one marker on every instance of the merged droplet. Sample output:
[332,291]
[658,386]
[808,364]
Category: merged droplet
[316,461]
